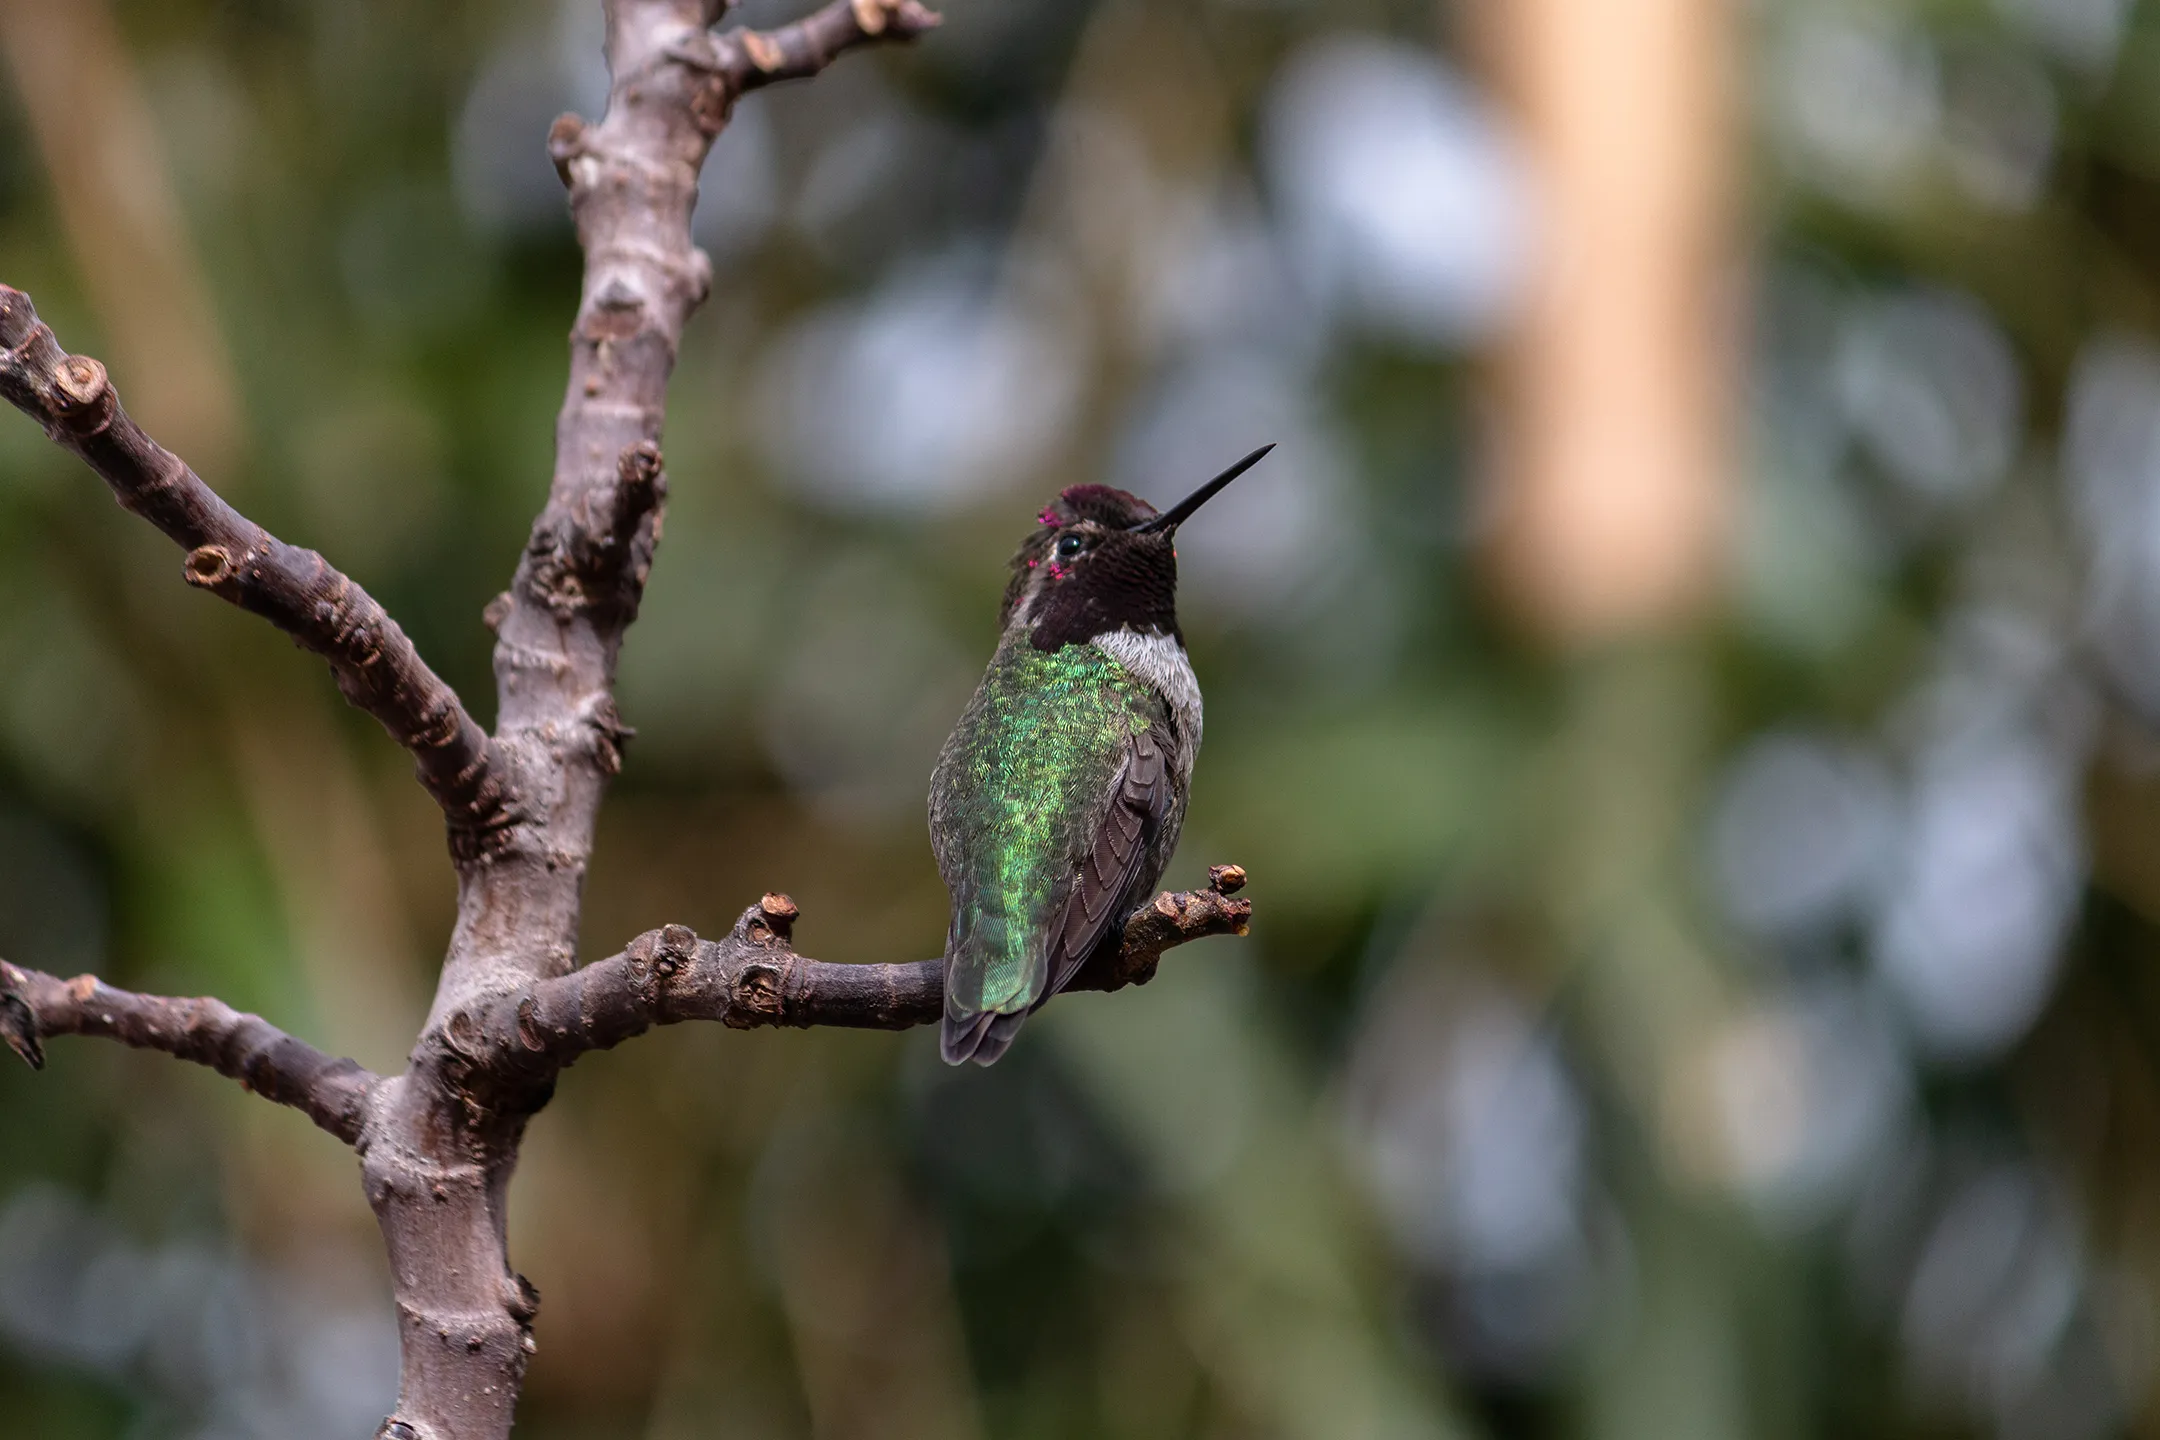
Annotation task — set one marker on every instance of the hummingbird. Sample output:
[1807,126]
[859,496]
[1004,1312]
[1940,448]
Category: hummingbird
[1058,798]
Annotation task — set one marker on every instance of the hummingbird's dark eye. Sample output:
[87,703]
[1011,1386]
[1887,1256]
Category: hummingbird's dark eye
[1070,546]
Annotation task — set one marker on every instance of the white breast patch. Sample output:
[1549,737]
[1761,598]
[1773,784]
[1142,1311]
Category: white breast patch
[1160,661]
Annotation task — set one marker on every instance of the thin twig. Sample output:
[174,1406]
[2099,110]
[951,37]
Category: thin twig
[298,591]
[329,1090]
[753,59]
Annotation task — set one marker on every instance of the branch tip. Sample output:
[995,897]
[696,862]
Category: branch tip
[764,51]
[80,385]
[565,142]
[779,914]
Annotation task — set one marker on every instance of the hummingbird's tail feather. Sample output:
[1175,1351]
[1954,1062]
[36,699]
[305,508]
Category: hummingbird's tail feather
[994,970]
[998,1037]
[981,1037]
[960,1036]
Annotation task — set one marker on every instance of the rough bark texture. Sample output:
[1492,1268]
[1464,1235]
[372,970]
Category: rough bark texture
[754,977]
[296,590]
[330,1091]
[437,1143]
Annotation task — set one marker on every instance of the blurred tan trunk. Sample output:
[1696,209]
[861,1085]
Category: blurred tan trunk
[99,142]
[1614,469]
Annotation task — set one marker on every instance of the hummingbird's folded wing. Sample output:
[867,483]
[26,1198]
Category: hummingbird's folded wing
[1105,877]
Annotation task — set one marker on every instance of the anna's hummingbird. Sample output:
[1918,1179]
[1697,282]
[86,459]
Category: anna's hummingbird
[1057,801]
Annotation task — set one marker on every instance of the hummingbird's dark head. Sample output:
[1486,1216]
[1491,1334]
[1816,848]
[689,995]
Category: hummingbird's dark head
[1101,560]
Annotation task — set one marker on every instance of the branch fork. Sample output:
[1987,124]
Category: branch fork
[754,977]
[437,1143]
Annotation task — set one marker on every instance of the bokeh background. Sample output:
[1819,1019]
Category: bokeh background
[1687,691]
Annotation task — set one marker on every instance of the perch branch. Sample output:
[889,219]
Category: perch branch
[330,1091]
[753,977]
[298,591]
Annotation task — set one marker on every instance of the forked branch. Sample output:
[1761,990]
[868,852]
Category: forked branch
[438,1143]
[751,978]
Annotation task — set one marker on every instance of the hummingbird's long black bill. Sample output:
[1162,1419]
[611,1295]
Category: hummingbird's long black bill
[1179,513]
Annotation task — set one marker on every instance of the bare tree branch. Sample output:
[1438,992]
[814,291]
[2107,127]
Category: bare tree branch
[753,977]
[443,1138]
[753,59]
[437,1144]
[332,1092]
[632,181]
[298,591]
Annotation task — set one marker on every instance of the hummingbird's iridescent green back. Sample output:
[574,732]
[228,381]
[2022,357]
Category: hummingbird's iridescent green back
[1020,794]
[1060,796]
